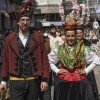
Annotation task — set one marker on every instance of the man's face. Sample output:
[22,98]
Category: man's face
[79,35]
[71,37]
[53,31]
[24,23]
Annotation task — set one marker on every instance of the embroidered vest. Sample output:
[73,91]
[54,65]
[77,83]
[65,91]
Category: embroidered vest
[24,58]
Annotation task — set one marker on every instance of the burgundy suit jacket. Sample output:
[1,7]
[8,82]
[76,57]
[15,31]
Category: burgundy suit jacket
[11,50]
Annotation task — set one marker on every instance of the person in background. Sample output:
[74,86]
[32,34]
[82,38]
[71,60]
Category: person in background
[51,38]
[90,76]
[93,37]
[96,33]
[24,59]
[86,33]
[38,27]
[58,31]
[80,35]
[96,26]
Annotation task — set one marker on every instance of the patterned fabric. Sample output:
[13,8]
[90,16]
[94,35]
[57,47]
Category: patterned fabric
[24,59]
[24,10]
[72,59]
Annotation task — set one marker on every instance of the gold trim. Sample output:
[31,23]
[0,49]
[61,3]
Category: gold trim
[16,78]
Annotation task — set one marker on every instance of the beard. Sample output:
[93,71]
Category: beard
[53,34]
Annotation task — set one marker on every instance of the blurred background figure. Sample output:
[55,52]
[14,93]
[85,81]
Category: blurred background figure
[93,36]
[38,27]
[96,27]
[90,76]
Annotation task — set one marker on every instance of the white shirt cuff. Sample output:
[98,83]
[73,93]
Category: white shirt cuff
[90,68]
[3,82]
[57,71]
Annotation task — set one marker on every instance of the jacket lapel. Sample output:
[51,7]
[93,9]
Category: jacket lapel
[32,43]
[14,44]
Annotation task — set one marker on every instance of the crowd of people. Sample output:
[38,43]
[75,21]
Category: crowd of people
[34,60]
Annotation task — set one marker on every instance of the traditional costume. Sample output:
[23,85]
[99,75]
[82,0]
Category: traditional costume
[73,86]
[24,59]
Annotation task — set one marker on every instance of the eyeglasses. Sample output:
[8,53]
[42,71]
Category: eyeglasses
[23,20]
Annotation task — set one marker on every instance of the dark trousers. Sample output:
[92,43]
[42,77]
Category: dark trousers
[55,81]
[23,90]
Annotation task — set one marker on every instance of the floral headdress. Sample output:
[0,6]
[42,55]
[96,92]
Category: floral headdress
[24,10]
[70,24]
[77,16]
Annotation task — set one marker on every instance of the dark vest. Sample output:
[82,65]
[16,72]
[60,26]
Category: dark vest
[24,59]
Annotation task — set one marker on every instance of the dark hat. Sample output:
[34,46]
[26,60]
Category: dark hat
[52,26]
[24,10]
[38,25]
[17,2]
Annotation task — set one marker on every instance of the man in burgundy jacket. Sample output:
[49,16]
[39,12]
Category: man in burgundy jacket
[24,59]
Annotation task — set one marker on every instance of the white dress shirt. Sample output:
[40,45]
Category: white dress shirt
[55,41]
[24,38]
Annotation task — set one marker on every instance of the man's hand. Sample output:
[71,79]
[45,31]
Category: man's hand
[3,87]
[44,86]
[62,71]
